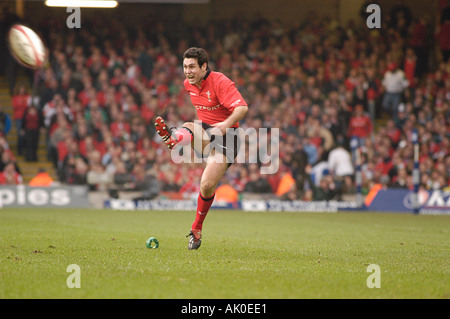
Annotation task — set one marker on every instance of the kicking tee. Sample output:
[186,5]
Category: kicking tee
[216,99]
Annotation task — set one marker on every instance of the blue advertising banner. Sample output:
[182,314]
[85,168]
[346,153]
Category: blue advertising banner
[402,200]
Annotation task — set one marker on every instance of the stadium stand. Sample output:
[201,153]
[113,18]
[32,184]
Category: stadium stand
[320,83]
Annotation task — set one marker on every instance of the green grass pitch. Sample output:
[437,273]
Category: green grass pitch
[243,255]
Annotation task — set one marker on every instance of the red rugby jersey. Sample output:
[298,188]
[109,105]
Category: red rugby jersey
[216,99]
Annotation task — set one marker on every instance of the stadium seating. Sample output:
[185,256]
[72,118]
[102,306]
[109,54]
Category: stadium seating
[321,87]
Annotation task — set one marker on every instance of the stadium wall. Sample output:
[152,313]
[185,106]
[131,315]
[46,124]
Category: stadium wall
[297,11]
[289,11]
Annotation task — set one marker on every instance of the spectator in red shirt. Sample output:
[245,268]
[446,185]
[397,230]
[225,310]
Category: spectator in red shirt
[148,107]
[418,41]
[352,80]
[120,128]
[20,100]
[409,66]
[442,34]
[9,175]
[360,124]
[32,123]
[393,132]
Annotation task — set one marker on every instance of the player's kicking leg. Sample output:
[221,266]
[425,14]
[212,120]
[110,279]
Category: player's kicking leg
[193,133]
[216,167]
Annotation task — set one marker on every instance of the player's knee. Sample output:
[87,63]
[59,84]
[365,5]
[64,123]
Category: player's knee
[207,188]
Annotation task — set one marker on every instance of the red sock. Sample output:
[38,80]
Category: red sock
[203,205]
[183,136]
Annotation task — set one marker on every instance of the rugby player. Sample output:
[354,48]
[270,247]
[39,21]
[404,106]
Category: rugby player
[220,107]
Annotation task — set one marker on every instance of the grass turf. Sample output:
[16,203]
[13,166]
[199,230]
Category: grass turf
[243,255]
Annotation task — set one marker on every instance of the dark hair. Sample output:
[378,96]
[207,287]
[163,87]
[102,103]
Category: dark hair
[196,53]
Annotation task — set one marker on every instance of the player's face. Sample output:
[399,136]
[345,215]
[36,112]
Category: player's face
[193,72]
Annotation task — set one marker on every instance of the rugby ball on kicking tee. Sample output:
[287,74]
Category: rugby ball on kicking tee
[26,46]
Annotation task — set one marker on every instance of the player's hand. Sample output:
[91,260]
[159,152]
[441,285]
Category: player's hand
[219,128]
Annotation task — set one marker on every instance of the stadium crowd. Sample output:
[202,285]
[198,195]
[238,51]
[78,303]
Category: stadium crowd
[322,84]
